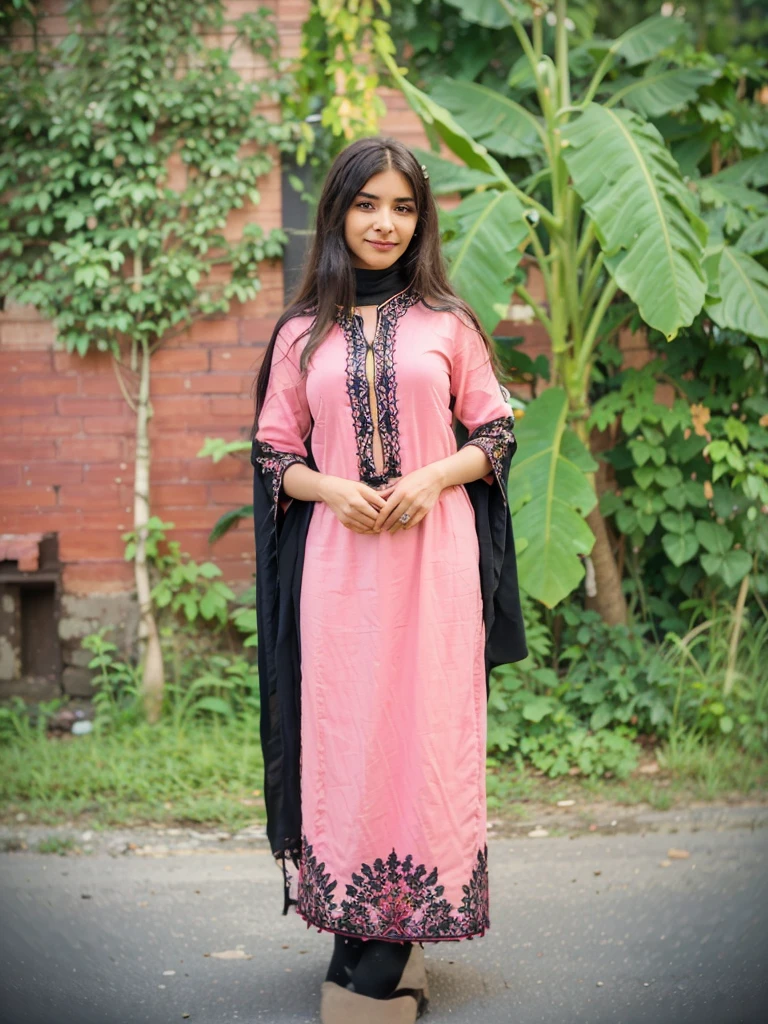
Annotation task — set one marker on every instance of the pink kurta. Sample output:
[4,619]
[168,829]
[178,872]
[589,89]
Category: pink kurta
[393,687]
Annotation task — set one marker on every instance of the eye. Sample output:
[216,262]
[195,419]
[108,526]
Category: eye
[363,203]
[406,209]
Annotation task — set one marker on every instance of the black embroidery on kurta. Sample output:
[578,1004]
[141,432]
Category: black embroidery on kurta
[393,899]
[384,384]
[495,437]
[273,464]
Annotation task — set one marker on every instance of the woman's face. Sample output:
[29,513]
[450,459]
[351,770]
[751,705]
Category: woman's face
[381,221]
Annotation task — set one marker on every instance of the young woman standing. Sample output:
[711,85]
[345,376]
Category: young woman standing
[386,587]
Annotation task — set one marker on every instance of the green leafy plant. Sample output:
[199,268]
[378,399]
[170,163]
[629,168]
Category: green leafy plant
[126,148]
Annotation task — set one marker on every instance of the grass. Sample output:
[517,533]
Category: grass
[211,775]
[202,774]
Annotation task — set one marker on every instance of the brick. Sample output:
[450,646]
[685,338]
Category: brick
[122,425]
[18,406]
[231,494]
[13,449]
[211,332]
[102,384]
[25,362]
[177,446]
[29,497]
[220,383]
[179,410]
[89,497]
[93,362]
[51,473]
[50,427]
[36,335]
[237,405]
[246,359]
[108,473]
[202,519]
[90,450]
[91,546]
[184,495]
[106,577]
[68,406]
[170,471]
[43,520]
[32,386]
[231,468]
[10,476]
[182,360]
[170,384]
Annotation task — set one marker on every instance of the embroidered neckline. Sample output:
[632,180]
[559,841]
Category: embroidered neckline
[384,386]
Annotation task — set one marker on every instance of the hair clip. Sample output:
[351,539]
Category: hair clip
[425,172]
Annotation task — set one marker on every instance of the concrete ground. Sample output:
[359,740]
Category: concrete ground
[600,927]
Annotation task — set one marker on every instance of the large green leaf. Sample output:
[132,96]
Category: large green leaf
[450,131]
[491,13]
[644,41]
[751,171]
[488,228]
[755,239]
[738,286]
[634,194]
[499,123]
[660,89]
[447,176]
[550,495]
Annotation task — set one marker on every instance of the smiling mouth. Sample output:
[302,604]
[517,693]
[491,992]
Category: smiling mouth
[381,245]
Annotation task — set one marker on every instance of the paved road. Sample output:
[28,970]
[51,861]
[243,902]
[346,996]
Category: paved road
[586,929]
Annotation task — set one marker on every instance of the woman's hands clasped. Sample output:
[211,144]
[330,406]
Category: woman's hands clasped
[365,510]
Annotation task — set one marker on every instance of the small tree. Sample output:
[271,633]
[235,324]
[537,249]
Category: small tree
[125,148]
[599,203]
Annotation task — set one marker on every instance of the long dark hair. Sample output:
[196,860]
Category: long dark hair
[329,279]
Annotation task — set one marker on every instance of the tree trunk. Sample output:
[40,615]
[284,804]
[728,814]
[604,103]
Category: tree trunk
[150,652]
[608,600]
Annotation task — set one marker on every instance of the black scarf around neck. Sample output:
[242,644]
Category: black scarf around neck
[376,286]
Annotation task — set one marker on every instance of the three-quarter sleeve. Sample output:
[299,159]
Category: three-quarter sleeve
[481,401]
[284,419]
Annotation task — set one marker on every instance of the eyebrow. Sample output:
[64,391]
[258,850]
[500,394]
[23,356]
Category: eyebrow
[400,199]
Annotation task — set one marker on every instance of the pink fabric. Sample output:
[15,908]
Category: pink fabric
[393,682]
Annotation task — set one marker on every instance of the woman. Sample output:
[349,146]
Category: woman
[386,587]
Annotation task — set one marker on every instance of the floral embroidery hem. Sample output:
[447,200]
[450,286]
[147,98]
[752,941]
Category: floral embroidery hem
[393,899]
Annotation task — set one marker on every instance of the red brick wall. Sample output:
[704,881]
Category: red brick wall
[66,452]
[67,435]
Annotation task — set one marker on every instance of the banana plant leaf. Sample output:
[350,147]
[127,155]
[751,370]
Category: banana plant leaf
[642,42]
[445,125]
[488,227]
[496,121]
[634,193]
[738,292]
[446,176]
[491,13]
[659,89]
[549,496]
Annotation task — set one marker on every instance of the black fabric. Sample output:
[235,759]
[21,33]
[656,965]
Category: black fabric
[372,287]
[280,547]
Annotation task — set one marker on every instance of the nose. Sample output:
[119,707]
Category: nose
[383,222]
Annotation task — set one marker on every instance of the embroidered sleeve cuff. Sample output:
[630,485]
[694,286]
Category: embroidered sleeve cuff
[495,438]
[273,464]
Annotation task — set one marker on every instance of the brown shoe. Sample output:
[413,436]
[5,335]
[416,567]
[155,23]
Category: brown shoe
[343,1006]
